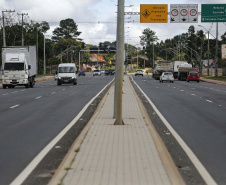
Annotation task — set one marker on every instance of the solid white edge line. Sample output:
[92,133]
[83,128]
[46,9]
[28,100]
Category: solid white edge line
[31,166]
[201,169]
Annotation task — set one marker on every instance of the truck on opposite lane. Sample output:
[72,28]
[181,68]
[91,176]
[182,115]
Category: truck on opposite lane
[19,66]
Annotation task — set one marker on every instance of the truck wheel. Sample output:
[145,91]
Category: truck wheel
[4,86]
[58,83]
[27,85]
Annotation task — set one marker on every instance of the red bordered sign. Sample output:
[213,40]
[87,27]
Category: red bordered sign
[174,12]
[193,12]
[184,12]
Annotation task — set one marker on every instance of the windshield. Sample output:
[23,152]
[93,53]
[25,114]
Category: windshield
[66,69]
[14,66]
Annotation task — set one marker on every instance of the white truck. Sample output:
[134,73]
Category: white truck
[160,67]
[176,65]
[184,69]
[66,73]
[19,66]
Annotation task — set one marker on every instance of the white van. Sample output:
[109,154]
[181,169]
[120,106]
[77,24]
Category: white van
[66,74]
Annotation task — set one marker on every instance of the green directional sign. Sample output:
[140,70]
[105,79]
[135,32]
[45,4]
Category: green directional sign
[213,13]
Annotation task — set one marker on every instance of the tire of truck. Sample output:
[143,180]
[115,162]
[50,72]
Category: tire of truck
[4,86]
[75,82]
[58,82]
[32,82]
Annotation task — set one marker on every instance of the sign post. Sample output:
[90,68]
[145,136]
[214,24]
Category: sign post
[213,13]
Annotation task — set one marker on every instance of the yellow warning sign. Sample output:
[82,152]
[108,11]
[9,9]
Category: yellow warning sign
[153,13]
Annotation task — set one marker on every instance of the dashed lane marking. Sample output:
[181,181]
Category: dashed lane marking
[38,97]
[14,106]
[209,101]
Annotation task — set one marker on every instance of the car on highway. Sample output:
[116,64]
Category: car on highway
[167,76]
[102,71]
[96,72]
[81,73]
[193,76]
[139,72]
[66,74]
[106,72]
[111,71]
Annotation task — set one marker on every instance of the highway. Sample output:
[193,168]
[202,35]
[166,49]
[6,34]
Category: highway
[31,118]
[196,111]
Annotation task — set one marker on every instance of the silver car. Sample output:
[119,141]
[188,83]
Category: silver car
[96,72]
[167,76]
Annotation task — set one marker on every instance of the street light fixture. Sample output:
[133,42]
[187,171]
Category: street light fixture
[208,68]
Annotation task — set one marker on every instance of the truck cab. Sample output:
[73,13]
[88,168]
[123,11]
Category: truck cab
[66,74]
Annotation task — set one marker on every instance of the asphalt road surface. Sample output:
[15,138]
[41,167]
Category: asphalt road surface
[31,118]
[197,112]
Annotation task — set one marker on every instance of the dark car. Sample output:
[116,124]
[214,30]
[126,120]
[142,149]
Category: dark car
[81,73]
[111,71]
[193,76]
[106,72]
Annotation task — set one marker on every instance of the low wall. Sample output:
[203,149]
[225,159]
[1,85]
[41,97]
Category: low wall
[221,71]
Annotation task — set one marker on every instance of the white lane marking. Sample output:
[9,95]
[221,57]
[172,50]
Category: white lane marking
[15,92]
[63,89]
[193,94]
[209,101]
[53,92]
[31,166]
[5,94]
[182,90]
[202,170]
[23,90]
[38,97]
[174,87]
[14,106]
[220,105]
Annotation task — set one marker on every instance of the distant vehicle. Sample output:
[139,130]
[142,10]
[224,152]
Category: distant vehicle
[193,76]
[111,71]
[96,72]
[102,71]
[176,65]
[167,76]
[81,73]
[184,70]
[67,74]
[160,67]
[106,72]
[19,66]
[139,72]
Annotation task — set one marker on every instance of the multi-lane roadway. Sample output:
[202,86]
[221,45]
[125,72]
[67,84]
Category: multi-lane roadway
[196,111]
[31,118]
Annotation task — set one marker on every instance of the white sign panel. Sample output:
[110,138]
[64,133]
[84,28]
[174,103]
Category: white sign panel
[184,13]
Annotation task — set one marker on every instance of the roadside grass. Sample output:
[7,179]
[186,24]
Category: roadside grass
[220,78]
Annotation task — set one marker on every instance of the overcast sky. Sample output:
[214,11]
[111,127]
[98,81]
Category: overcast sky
[96,19]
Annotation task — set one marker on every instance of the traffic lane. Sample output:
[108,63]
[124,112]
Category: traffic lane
[211,93]
[15,97]
[30,127]
[200,124]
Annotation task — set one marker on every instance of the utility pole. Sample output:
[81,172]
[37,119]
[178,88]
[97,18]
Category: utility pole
[208,68]
[119,63]
[3,24]
[44,55]
[216,56]
[22,24]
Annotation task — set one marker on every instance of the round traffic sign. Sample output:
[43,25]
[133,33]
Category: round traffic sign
[174,12]
[193,12]
[184,12]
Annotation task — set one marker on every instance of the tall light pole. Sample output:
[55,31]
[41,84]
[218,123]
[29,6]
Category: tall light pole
[208,68]
[119,63]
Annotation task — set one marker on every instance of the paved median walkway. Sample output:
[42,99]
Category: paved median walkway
[118,154]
